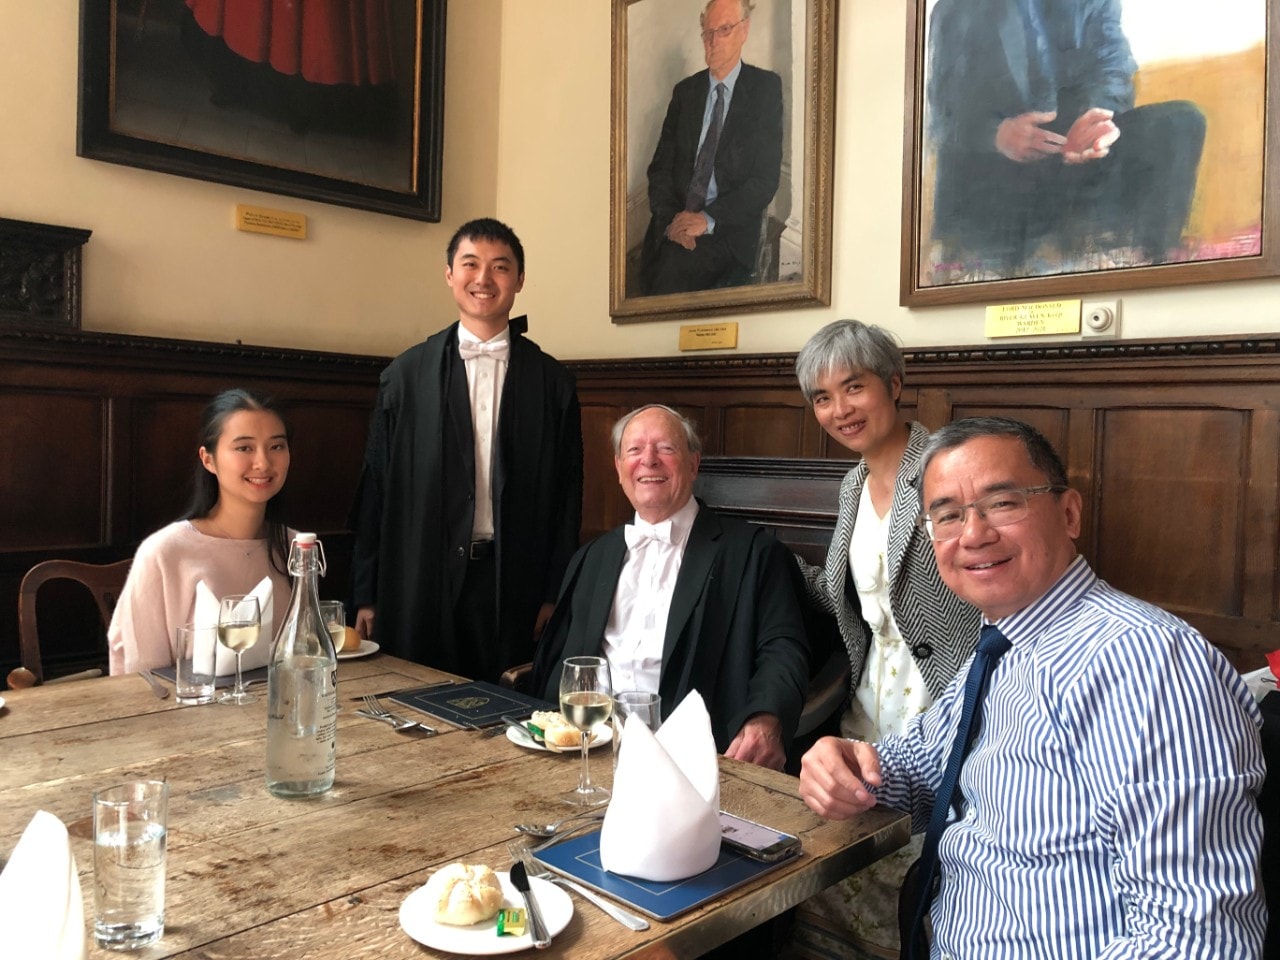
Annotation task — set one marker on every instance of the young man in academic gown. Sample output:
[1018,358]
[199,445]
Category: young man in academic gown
[470,499]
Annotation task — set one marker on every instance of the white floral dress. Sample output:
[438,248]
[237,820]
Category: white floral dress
[862,910]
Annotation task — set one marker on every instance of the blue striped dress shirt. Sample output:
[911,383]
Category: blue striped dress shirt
[1111,797]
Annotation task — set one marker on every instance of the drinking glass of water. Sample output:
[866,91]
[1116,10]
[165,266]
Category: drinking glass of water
[130,831]
[586,699]
[239,621]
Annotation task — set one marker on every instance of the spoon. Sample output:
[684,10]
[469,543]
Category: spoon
[549,829]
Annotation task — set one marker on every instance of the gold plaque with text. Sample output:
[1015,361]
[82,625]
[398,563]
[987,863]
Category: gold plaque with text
[277,223]
[1033,319]
[709,336]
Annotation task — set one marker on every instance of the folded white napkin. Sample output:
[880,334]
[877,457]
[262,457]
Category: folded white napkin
[206,615]
[41,908]
[664,820]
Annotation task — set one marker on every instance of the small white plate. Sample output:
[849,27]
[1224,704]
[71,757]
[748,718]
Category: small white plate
[481,939]
[366,648]
[604,733]
[1,703]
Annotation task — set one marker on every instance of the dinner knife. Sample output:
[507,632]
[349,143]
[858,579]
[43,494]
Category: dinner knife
[537,928]
[525,733]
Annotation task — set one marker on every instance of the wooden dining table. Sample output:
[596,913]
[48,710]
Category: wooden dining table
[251,875]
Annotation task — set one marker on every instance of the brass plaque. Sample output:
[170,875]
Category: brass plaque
[709,336]
[277,223]
[1033,319]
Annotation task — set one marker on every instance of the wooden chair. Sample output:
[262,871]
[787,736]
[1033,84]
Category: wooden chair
[104,581]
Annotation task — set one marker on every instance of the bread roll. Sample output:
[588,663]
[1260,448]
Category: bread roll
[556,730]
[350,639]
[464,894]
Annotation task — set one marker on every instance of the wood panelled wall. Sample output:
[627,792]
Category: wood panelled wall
[1175,447]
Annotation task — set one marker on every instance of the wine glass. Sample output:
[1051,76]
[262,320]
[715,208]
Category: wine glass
[335,621]
[586,699]
[239,622]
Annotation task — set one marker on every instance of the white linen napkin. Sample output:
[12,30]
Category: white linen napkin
[206,615]
[41,908]
[664,819]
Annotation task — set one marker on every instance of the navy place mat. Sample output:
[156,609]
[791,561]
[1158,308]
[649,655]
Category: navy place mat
[473,704]
[579,858]
[219,683]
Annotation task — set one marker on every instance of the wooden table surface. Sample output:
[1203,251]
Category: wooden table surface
[255,876]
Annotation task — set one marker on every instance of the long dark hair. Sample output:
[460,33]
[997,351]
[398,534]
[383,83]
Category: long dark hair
[204,485]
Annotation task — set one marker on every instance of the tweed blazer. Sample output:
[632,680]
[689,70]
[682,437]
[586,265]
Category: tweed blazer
[941,629]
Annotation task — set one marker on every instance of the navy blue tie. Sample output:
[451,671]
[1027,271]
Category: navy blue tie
[991,647]
[696,198]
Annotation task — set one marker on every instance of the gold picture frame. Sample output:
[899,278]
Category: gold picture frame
[794,39]
[350,113]
[1148,227]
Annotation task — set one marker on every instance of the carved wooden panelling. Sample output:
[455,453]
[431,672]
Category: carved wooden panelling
[52,470]
[759,431]
[1171,526]
[1174,447]
[160,459]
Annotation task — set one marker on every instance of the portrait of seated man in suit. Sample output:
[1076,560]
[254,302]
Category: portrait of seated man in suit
[1044,163]
[716,166]
[683,599]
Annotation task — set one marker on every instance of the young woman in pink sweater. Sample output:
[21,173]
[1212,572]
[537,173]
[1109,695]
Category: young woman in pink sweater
[231,535]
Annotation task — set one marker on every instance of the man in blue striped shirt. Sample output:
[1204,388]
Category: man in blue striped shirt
[1109,800]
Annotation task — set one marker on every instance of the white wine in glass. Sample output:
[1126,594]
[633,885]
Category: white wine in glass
[239,623]
[586,699]
[335,621]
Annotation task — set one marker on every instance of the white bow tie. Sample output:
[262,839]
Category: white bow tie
[469,350]
[639,533]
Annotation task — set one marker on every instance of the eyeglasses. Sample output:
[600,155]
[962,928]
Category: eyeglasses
[721,33]
[998,509]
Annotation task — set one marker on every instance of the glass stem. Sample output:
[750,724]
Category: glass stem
[584,781]
[239,676]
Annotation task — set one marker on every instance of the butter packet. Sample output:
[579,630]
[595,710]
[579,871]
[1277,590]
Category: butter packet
[511,923]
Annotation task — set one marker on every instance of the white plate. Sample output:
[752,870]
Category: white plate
[481,939]
[366,648]
[604,733]
[1,703]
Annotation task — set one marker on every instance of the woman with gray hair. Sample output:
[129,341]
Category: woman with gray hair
[906,634]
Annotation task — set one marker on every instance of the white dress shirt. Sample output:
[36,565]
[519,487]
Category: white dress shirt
[485,377]
[638,621]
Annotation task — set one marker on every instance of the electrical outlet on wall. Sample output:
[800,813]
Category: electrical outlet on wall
[1100,318]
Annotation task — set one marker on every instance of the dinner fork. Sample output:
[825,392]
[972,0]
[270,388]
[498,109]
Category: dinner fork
[520,850]
[401,723]
[550,829]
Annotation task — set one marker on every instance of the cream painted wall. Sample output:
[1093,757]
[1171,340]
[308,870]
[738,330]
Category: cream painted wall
[164,258]
[527,138]
[553,183]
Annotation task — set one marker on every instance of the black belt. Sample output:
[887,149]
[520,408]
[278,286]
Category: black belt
[481,549]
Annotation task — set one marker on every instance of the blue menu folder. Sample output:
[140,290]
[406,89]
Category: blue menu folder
[472,704]
[579,858]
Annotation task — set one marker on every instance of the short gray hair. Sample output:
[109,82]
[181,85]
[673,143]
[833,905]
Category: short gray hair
[746,6]
[959,432]
[690,431]
[849,345]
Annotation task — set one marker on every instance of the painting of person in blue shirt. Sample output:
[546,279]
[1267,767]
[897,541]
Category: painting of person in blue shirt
[1042,157]
[1097,813]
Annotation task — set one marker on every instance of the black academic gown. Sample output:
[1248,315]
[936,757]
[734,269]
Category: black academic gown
[415,502]
[734,630]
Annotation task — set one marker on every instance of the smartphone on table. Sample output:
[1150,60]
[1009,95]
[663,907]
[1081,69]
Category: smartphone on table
[756,840]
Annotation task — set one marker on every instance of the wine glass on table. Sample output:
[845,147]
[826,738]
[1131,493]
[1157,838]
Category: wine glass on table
[239,623]
[586,699]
